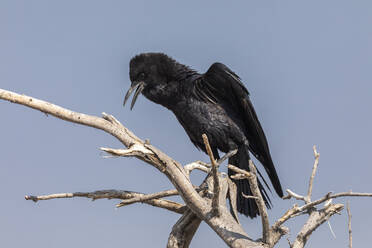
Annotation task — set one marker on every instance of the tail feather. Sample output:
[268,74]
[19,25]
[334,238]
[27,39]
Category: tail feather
[271,172]
[248,206]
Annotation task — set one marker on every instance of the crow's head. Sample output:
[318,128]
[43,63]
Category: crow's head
[149,72]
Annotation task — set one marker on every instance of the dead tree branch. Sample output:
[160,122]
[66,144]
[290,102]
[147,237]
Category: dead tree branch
[199,165]
[260,203]
[252,178]
[216,180]
[183,231]
[205,167]
[224,224]
[315,219]
[311,181]
[143,197]
[114,194]
[206,203]
[349,225]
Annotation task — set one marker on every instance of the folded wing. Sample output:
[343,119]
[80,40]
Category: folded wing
[220,85]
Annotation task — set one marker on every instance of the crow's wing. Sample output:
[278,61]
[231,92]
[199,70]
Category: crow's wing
[220,85]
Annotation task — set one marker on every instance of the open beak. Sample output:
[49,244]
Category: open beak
[140,86]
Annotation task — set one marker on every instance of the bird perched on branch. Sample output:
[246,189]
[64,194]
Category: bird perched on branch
[215,103]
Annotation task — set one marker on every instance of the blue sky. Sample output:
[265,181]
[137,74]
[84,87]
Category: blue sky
[306,64]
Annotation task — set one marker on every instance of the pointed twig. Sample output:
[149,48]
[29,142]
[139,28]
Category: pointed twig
[294,195]
[311,181]
[216,180]
[331,229]
[349,225]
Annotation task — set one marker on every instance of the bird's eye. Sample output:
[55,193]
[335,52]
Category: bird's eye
[141,76]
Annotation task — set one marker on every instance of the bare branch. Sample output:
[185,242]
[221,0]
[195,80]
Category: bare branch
[349,225]
[286,216]
[113,120]
[330,196]
[146,197]
[183,231]
[179,177]
[216,180]
[172,169]
[199,165]
[311,181]
[232,193]
[266,233]
[315,219]
[55,196]
[249,196]
[205,167]
[295,210]
[233,234]
[113,194]
[242,174]
[134,150]
[238,176]
[294,195]
[252,177]
[227,156]
[277,234]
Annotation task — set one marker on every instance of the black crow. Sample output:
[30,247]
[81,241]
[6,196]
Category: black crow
[215,103]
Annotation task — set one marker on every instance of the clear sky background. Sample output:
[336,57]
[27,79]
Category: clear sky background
[307,65]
